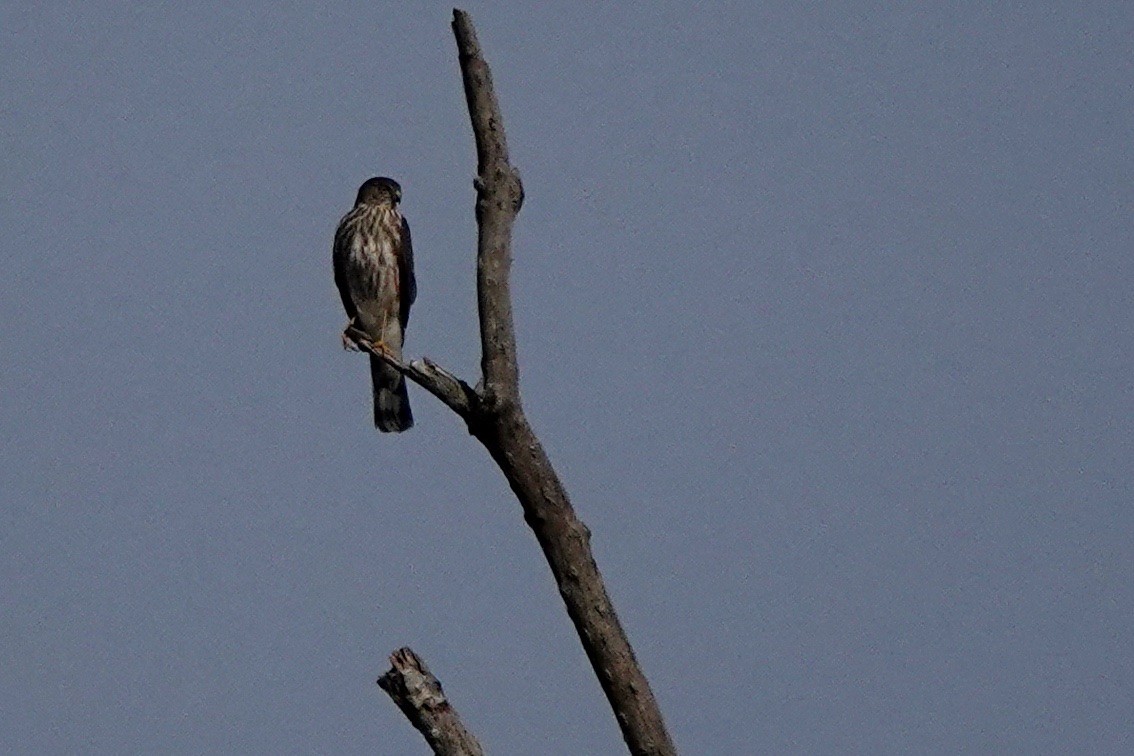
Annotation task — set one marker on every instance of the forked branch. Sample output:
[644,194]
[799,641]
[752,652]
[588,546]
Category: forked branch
[496,418]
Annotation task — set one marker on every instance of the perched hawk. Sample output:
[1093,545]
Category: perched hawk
[373,259]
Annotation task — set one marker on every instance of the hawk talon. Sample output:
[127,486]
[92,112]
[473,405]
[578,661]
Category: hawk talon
[382,349]
[356,340]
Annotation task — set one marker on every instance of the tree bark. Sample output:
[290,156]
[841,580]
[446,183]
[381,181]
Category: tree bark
[495,416]
[418,694]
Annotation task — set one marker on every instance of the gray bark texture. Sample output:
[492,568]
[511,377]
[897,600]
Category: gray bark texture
[418,694]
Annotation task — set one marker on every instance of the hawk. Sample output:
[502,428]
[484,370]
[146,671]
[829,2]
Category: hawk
[373,258]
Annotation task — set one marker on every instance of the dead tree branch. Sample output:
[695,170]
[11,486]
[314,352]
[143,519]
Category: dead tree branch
[496,418]
[499,194]
[418,694]
[451,390]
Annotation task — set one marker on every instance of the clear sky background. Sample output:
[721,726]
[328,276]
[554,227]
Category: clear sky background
[825,315]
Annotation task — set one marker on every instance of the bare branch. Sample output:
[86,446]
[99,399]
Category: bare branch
[499,196]
[418,694]
[451,390]
[499,423]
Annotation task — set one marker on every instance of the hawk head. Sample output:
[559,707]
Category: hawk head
[379,191]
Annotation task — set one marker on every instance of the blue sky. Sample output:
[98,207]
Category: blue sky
[824,315]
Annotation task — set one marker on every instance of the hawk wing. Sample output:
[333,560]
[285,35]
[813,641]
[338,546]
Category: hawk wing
[408,287]
[341,258]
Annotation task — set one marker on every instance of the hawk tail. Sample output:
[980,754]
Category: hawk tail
[391,400]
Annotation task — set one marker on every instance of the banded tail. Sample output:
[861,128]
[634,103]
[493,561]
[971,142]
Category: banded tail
[391,399]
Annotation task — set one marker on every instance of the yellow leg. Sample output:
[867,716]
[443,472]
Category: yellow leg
[354,339]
